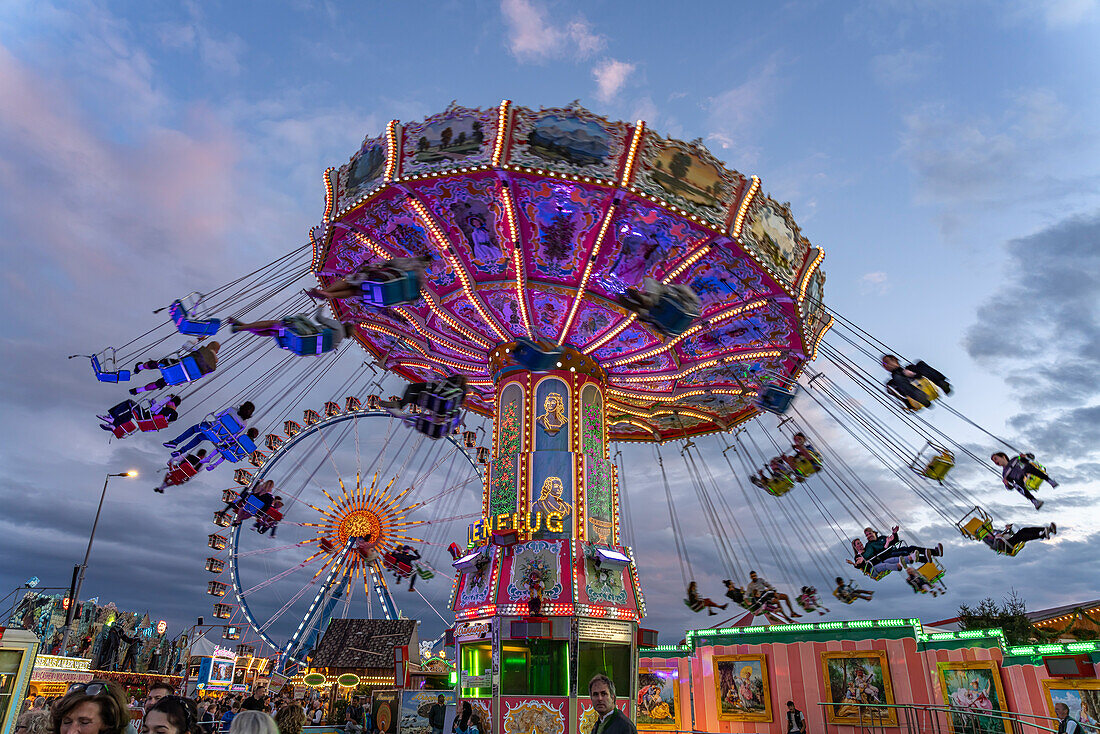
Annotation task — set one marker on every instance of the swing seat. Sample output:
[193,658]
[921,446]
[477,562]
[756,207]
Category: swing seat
[187,369]
[398,291]
[938,467]
[187,325]
[401,568]
[424,573]
[304,337]
[224,428]
[535,357]
[976,528]
[236,450]
[1000,549]
[180,473]
[775,399]
[124,429]
[779,485]
[931,571]
[437,427]
[876,576]
[104,375]
[251,506]
[670,316]
[272,517]
[441,399]
[804,466]
[153,423]
[696,607]
[1033,482]
[844,597]
[925,386]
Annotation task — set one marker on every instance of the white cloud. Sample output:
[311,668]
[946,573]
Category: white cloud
[1033,149]
[735,115]
[1065,13]
[904,66]
[876,283]
[610,75]
[533,38]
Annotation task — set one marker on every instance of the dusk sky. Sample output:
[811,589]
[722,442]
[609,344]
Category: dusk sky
[946,155]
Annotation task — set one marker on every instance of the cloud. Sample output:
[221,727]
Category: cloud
[1034,149]
[533,38]
[611,75]
[1041,330]
[1058,14]
[904,66]
[876,283]
[735,115]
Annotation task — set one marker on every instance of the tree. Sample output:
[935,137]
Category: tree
[461,138]
[422,144]
[679,165]
[557,239]
[446,136]
[1010,616]
[478,135]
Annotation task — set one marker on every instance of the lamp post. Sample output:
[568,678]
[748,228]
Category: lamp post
[75,594]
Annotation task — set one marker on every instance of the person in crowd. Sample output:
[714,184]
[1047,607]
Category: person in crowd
[601,691]
[796,722]
[351,285]
[253,722]
[33,721]
[1015,471]
[256,700]
[194,435]
[437,714]
[206,358]
[698,603]
[354,716]
[317,715]
[225,723]
[171,715]
[466,723]
[290,718]
[1066,723]
[96,707]
[1005,540]
[760,591]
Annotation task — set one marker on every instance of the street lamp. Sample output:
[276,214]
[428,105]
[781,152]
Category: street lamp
[74,595]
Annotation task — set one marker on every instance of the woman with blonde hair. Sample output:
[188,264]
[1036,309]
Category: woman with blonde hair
[253,722]
[290,719]
[34,721]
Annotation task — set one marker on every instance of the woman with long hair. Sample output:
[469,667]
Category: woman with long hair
[98,707]
[290,719]
[171,715]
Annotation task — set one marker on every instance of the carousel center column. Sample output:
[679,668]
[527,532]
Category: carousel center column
[546,597]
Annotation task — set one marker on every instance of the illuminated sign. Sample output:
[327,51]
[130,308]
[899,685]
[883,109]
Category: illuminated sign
[348,680]
[599,629]
[59,663]
[223,652]
[161,627]
[473,629]
[314,679]
[525,522]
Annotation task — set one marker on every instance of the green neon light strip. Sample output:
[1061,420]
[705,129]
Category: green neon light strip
[1063,648]
[779,629]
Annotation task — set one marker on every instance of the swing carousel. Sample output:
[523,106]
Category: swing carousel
[542,232]
[531,287]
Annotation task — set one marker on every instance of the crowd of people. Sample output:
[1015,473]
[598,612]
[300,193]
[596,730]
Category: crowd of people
[102,707]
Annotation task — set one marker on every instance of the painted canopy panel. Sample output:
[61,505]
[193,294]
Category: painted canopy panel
[540,232]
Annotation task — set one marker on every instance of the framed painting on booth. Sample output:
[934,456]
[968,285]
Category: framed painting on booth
[741,684]
[973,690]
[858,688]
[1081,696]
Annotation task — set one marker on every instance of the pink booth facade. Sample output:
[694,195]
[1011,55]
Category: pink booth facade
[739,679]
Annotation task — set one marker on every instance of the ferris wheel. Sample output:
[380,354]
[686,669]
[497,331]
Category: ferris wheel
[366,506]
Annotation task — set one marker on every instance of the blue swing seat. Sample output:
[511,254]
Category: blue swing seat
[305,337]
[396,292]
[108,375]
[252,505]
[187,325]
[186,370]
[534,356]
[775,399]
[669,316]
[434,427]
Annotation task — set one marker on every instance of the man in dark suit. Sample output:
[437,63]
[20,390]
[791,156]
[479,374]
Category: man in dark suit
[612,721]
